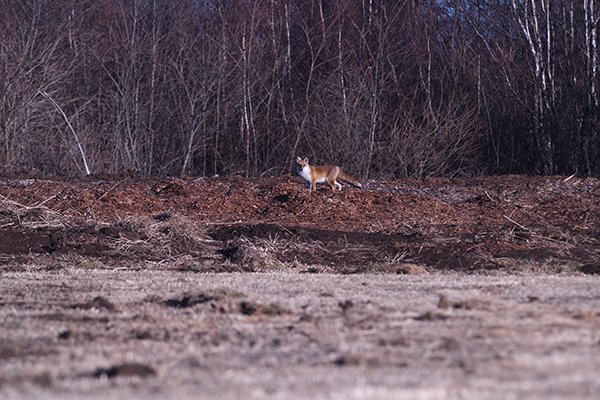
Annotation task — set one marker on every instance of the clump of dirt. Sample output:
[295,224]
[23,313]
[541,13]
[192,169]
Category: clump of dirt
[191,299]
[266,224]
[225,301]
[254,308]
[124,370]
[98,302]
[590,268]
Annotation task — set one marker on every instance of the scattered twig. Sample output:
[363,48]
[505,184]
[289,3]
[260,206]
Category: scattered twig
[516,223]
[41,203]
[38,206]
[569,178]
[12,202]
[399,256]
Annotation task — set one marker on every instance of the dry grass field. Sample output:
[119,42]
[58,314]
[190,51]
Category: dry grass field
[122,287]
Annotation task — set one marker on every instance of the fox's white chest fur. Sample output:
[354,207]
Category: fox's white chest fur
[306,174]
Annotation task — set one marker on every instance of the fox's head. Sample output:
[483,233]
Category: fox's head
[302,162]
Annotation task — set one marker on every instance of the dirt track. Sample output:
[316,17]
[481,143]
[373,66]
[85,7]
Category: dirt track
[483,288]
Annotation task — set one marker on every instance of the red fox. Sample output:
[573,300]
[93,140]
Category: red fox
[324,173]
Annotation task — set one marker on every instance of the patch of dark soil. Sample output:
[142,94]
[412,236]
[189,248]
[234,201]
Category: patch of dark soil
[452,257]
[346,304]
[125,370]
[98,302]
[466,304]
[191,299]
[346,252]
[430,316]
[164,216]
[232,252]
[65,334]
[252,308]
[347,360]
[227,232]
[593,269]
[110,231]
[226,302]
[21,241]
[282,198]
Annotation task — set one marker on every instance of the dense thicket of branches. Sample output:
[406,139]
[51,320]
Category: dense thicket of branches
[384,87]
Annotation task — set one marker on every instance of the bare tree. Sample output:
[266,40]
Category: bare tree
[389,88]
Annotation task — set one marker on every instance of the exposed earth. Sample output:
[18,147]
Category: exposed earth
[120,286]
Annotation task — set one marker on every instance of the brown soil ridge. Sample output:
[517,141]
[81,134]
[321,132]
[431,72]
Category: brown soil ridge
[238,224]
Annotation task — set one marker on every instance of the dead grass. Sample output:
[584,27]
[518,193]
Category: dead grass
[33,216]
[166,238]
[156,334]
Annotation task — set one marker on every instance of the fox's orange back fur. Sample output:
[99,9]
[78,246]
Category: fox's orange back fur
[324,173]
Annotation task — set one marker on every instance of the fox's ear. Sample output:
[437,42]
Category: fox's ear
[298,159]
[306,160]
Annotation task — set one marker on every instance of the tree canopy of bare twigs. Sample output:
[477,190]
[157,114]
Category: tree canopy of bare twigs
[386,88]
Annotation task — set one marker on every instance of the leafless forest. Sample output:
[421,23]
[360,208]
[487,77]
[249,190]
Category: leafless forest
[408,88]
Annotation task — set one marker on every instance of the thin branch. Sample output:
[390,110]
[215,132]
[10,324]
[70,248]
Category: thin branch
[62,113]
[516,223]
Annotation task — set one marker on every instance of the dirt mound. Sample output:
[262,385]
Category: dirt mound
[237,224]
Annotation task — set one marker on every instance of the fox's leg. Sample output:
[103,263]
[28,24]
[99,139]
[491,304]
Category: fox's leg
[312,186]
[338,185]
[332,183]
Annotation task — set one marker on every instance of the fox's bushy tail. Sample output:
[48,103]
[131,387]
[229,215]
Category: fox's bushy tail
[347,178]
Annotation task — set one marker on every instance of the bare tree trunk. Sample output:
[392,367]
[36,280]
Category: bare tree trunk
[66,119]
[530,26]
[342,82]
[149,164]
